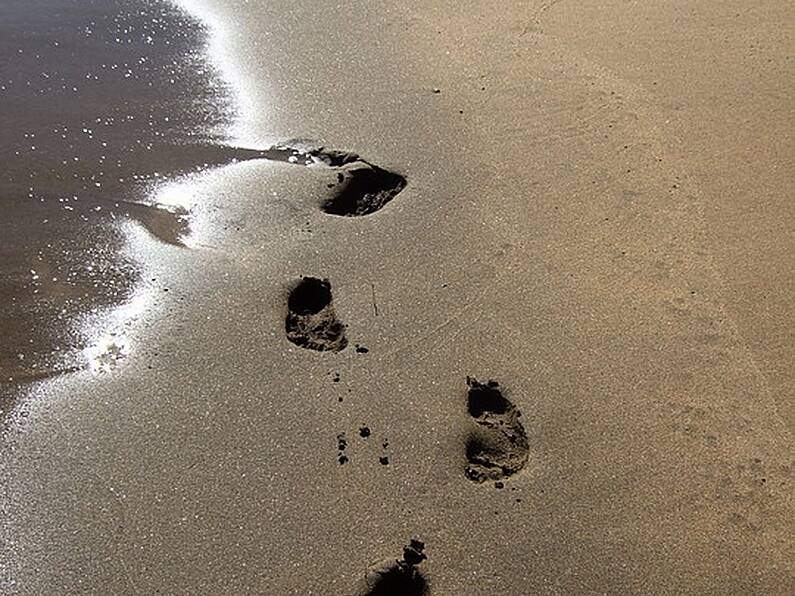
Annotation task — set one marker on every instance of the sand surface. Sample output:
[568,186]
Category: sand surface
[596,195]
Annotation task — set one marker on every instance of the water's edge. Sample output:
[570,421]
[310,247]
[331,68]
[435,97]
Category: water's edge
[102,105]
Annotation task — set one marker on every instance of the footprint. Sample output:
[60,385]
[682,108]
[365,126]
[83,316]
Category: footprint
[401,577]
[311,321]
[497,447]
[363,187]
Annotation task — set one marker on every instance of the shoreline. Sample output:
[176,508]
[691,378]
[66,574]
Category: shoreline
[92,163]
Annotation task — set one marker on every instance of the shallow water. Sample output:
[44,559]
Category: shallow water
[101,101]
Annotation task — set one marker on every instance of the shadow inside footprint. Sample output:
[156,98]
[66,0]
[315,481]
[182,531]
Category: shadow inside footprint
[311,321]
[365,189]
[399,578]
[497,447]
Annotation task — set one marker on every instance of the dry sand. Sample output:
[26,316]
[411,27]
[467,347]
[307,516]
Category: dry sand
[569,229]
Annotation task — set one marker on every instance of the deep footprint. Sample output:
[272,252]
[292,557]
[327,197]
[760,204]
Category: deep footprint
[498,447]
[363,188]
[399,578]
[311,321]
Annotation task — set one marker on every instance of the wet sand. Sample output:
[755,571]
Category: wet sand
[101,101]
[559,233]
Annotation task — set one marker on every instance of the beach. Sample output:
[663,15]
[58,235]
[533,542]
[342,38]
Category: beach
[279,395]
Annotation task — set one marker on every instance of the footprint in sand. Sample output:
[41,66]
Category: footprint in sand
[311,321]
[497,447]
[362,188]
[398,577]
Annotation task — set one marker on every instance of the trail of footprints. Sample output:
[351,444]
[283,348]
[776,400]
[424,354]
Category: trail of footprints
[496,445]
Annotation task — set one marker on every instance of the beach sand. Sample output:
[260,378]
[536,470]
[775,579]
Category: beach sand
[596,199]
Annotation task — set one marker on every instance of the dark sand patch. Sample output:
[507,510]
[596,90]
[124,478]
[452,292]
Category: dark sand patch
[167,224]
[311,321]
[498,447]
